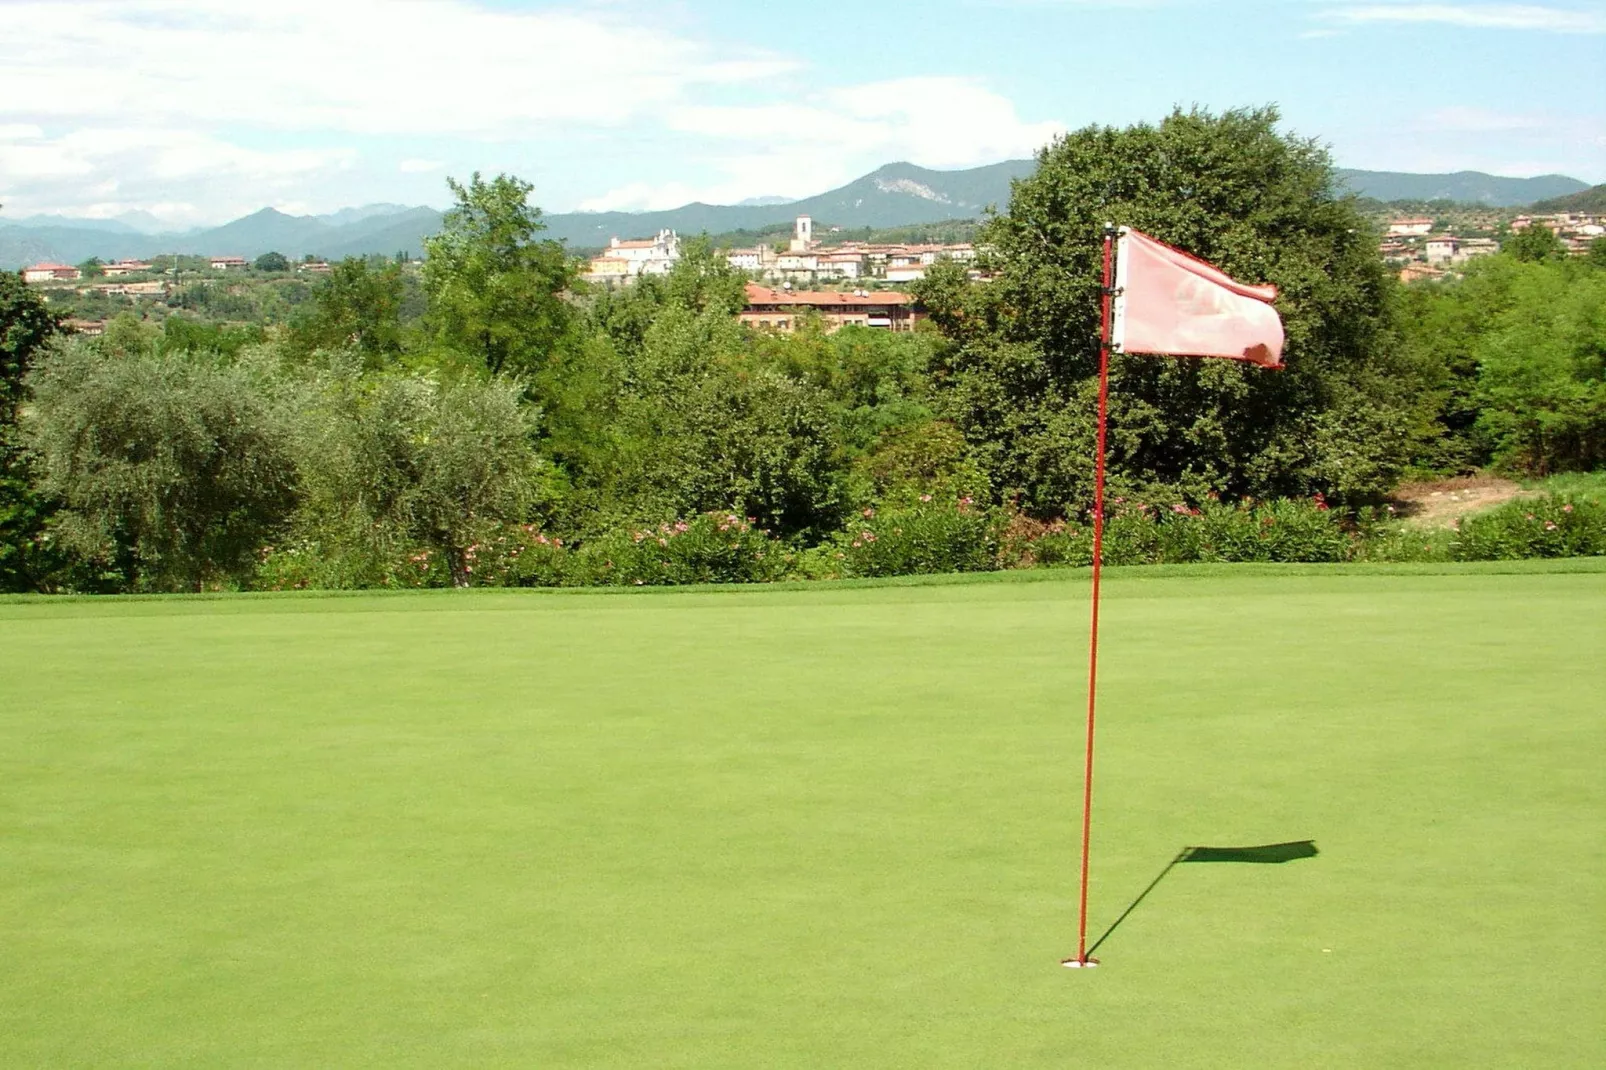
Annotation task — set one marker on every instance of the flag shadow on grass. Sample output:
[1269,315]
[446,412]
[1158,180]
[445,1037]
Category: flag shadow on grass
[1262,854]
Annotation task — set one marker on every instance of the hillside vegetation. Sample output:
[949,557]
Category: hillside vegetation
[484,418]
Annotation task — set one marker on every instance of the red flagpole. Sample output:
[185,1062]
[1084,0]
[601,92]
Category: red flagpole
[1098,562]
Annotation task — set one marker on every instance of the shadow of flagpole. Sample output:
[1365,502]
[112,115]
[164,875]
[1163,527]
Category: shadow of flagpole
[1263,854]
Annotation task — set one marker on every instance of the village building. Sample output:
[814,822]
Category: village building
[1439,250]
[50,272]
[315,267]
[780,310]
[1415,225]
[118,268]
[154,288]
[228,263]
[625,260]
[1414,272]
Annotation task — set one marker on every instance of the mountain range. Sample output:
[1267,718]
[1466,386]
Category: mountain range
[899,194]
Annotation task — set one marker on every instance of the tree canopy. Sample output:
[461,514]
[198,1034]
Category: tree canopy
[1018,378]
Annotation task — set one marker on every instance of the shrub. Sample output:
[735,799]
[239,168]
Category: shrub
[1142,534]
[1553,526]
[917,534]
[710,548]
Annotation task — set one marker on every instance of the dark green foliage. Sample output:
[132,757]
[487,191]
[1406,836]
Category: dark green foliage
[496,290]
[1521,352]
[272,262]
[1552,526]
[1019,379]
[1534,243]
[357,305]
[26,327]
[171,469]
[913,534]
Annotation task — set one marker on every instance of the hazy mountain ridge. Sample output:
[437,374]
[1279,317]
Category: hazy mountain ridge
[899,194]
[1465,187]
[1591,201]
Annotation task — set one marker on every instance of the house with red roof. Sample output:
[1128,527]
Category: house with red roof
[779,310]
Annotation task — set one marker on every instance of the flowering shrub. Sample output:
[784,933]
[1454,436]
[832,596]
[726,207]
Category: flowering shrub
[711,548]
[1137,533]
[1553,526]
[319,567]
[918,533]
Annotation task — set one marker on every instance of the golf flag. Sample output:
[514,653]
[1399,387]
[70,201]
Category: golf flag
[1171,303]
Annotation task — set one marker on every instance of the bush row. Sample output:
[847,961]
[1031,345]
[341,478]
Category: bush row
[928,533]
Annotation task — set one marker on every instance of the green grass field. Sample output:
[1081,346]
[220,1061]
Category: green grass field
[832,826]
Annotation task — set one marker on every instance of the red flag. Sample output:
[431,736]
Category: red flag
[1171,303]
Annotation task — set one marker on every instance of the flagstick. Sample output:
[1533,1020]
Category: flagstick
[1098,563]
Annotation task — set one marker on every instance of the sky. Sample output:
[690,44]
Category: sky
[199,111]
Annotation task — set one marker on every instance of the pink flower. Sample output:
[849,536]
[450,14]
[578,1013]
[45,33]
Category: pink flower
[1567,508]
[1180,508]
[869,536]
[868,512]
[925,497]
[682,526]
[857,544]
[1549,526]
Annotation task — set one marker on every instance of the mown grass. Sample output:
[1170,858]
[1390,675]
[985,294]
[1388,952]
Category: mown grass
[828,825]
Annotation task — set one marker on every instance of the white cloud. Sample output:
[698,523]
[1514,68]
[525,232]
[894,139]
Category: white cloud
[356,66]
[1481,16]
[802,148]
[152,101]
[100,172]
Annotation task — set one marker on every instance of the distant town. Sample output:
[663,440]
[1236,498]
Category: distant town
[1425,248]
[842,282]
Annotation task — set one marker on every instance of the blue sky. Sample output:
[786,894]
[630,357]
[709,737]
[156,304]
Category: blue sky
[201,110]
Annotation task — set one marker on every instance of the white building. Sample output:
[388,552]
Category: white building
[1410,226]
[625,260]
[1440,250]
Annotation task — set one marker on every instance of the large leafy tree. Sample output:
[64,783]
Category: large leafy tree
[26,327]
[358,305]
[496,289]
[1019,377]
[398,461]
[171,469]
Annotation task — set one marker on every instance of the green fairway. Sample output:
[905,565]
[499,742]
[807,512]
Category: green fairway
[832,826]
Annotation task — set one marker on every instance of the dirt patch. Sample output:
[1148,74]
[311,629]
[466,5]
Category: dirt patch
[1434,505]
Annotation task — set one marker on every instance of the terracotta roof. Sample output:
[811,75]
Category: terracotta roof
[644,243]
[50,267]
[763,295]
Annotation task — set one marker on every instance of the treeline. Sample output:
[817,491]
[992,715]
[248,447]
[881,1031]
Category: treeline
[493,421]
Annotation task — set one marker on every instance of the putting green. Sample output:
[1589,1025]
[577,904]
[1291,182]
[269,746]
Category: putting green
[832,826]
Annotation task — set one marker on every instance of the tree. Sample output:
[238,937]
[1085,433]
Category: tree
[1019,374]
[272,262]
[357,305]
[1534,243]
[26,328]
[496,292]
[92,268]
[171,469]
[394,462]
